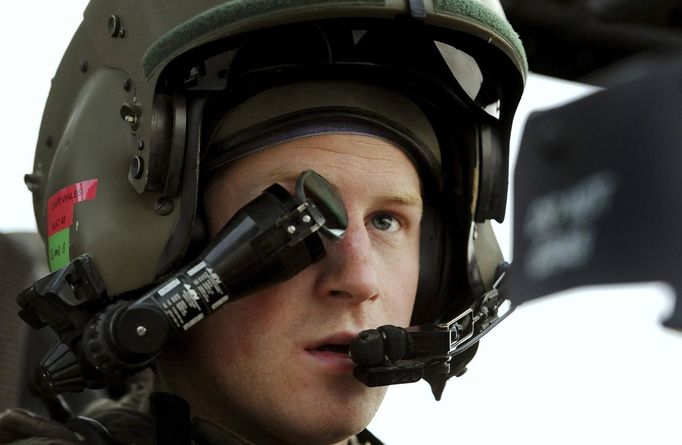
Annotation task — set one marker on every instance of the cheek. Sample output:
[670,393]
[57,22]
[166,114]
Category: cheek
[240,329]
[401,289]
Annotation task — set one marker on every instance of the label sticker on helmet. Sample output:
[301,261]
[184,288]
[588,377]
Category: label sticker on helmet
[60,218]
[58,249]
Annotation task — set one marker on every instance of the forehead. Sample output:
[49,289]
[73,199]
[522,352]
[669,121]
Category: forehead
[357,163]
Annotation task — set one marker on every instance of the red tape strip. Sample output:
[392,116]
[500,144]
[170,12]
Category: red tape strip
[60,205]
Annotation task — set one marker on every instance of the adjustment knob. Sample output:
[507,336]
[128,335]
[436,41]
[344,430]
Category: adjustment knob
[59,372]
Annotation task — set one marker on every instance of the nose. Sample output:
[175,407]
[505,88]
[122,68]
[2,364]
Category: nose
[348,270]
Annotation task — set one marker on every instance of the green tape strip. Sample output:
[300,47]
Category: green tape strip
[476,11]
[58,249]
[222,15]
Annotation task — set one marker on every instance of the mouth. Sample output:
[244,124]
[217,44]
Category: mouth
[336,349]
[332,353]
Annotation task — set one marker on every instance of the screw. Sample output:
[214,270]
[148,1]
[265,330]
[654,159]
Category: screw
[141,331]
[291,230]
[126,84]
[130,114]
[113,25]
[84,66]
[132,120]
[194,71]
[72,279]
[163,206]
[136,167]
[306,219]
[122,33]
[140,145]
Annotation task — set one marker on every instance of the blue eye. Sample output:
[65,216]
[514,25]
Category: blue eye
[385,222]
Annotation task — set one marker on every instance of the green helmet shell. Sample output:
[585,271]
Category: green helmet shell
[106,179]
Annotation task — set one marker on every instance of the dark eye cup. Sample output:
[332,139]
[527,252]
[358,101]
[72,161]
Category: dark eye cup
[311,186]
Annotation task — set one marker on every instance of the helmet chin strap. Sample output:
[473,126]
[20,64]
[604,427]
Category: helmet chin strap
[391,355]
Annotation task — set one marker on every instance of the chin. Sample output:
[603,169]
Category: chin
[323,433]
[334,419]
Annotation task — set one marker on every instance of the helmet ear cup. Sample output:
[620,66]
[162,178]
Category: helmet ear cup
[486,256]
[436,271]
[493,172]
[447,285]
[168,140]
[189,117]
[430,252]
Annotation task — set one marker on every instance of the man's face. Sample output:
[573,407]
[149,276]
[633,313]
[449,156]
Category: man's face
[275,364]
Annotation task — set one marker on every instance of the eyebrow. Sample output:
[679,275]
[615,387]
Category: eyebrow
[278,175]
[404,199]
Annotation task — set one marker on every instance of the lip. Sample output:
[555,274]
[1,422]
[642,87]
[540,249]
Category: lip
[333,361]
